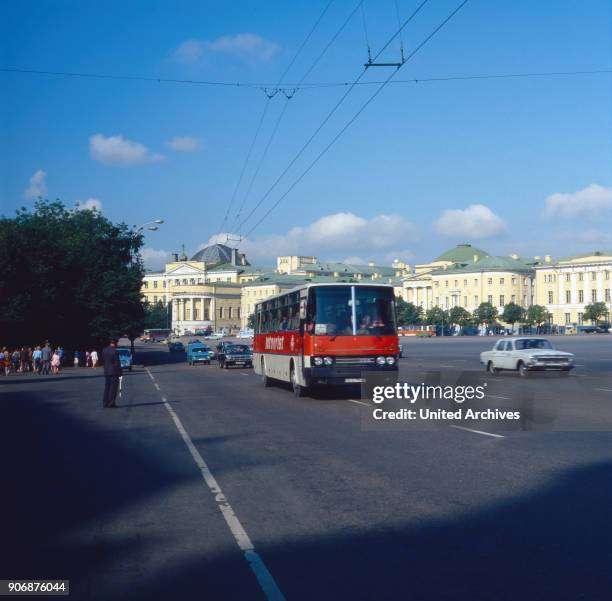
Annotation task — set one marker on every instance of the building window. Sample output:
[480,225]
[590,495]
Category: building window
[501,281]
[502,300]
[593,275]
[456,283]
[607,293]
[580,276]
[490,299]
[568,296]
[489,281]
[238,313]
[437,302]
[513,298]
[476,300]
[154,299]
[155,284]
[524,300]
[580,318]
[550,298]
[568,319]
[607,276]
[436,284]
[580,296]
[593,296]
[446,283]
[567,277]
[475,282]
[465,301]
[513,281]
[164,284]
[220,312]
[229,313]
[465,282]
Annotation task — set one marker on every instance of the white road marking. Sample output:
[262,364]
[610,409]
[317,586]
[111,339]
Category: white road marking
[156,385]
[358,402]
[604,389]
[477,431]
[459,360]
[263,575]
[243,374]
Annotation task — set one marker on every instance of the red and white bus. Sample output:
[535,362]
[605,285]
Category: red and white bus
[325,334]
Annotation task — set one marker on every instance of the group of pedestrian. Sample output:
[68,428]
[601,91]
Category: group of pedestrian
[41,359]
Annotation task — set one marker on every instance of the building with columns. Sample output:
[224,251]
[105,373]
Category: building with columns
[566,286]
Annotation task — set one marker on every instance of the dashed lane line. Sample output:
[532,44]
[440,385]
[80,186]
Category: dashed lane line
[256,563]
[477,431]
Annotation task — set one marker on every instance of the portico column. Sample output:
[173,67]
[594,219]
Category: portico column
[192,308]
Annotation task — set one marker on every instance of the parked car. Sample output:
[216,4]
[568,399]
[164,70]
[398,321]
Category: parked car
[248,333]
[235,354]
[176,347]
[199,353]
[214,336]
[525,355]
[125,357]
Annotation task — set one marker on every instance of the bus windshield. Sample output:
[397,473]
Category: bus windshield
[330,311]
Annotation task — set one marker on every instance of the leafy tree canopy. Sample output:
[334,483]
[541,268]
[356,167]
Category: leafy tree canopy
[156,315]
[70,276]
[513,313]
[408,313]
[251,321]
[485,313]
[436,316]
[459,316]
[595,311]
[537,314]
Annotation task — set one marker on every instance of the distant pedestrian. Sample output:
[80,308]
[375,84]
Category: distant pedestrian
[94,358]
[112,373]
[16,359]
[2,355]
[87,359]
[46,355]
[55,362]
[77,357]
[37,360]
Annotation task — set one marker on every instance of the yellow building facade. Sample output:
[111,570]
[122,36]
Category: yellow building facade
[567,286]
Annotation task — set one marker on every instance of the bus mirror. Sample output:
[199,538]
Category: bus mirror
[303,309]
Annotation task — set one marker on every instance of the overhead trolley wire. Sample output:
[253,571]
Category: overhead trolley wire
[303,78]
[290,87]
[354,117]
[328,116]
[280,117]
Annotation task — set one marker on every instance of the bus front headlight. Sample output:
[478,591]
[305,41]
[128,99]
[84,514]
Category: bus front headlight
[328,360]
[318,360]
[380,360]
[390,360]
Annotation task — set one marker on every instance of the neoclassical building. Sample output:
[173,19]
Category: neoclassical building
[466,276]
[203,291]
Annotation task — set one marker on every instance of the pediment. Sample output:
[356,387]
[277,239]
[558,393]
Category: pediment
[185,270]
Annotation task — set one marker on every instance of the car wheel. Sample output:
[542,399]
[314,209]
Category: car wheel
[266,381]
[298,391]
[522,370]
[492,369]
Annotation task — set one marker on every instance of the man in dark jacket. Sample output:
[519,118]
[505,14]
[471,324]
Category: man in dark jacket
[112,373]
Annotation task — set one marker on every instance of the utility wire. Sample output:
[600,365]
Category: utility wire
[325,120]
[290,87]
[282,113]
[354,117]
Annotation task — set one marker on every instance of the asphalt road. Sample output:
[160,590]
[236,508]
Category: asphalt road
[115,500]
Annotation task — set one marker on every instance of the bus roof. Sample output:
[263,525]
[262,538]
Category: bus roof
[323,285]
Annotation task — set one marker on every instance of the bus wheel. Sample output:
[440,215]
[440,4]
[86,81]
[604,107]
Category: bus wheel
[265,379]
[298,391]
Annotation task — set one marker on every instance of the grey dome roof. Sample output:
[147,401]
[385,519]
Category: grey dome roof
[214,254]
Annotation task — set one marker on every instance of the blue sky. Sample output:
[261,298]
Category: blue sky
[511,165]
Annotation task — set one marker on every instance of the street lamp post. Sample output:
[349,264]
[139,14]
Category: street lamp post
[150,225]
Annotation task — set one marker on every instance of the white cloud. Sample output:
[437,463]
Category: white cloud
[583,203]
[184,144]
[475,221]
[91,204]
[245,46]
[116,150]
[154,259]
[332,237]
[38,185]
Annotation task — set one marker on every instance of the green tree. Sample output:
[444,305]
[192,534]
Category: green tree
[156,315]
[407,313]
[485,313]
[251,321]
[595,311]
[459,316]
[512,314]
[537,314]
[67,275]
[436,316]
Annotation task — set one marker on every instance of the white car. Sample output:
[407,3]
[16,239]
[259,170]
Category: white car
[525,355]
[214,336]
[245,334]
